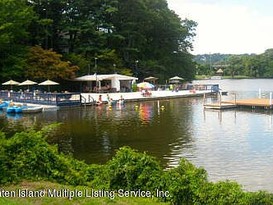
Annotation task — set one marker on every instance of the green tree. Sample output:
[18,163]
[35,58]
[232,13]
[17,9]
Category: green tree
[15,18]
[153,33]
[116,32]
[43,64]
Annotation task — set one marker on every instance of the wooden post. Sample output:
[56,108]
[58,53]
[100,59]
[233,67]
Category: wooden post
[270,99]
[220,99]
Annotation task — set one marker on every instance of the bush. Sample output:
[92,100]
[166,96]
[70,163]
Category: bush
[132,170]
[185,183]
[259,198]
[27,155]
[221,193]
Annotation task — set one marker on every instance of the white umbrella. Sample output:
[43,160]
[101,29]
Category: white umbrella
[11,83]
[28,83]
[151,78]
[48,83]
[176,78]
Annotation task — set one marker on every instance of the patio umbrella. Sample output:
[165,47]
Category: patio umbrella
[48,83]
[11,83]
[145,85]
[175,79]
[151,79]
[28,83]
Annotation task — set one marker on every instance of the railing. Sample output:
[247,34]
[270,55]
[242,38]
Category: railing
[210,87]
[58,99]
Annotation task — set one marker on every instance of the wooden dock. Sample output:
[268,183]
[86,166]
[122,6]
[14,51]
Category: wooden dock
[253,103]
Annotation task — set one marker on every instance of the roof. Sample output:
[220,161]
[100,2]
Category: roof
[96,77]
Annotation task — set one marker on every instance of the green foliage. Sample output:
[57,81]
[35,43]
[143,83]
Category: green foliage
[259,198]
[15,18]
[134,87]
[131,170]
[27,155]
[221,193]
[252,65]
[47,64]
[115,31]
[185,183]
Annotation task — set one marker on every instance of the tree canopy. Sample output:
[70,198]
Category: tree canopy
[141,37]
[251,65]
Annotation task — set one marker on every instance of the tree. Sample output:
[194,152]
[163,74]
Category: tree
[116,32]
[15,17]
[151,32]
[42,64]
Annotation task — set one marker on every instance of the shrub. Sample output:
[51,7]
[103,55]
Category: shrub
[259,198]
[132,170]
[223,192]
[184,183]
[27,155]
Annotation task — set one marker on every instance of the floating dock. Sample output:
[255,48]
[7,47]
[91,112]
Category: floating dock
[252,103]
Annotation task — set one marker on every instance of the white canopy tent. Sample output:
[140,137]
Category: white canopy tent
[117,81]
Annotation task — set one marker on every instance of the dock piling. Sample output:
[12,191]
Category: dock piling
[270,99]
[260,93]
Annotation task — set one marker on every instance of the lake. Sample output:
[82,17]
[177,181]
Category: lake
[234,144]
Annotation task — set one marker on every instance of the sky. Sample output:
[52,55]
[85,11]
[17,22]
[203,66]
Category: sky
[228,26]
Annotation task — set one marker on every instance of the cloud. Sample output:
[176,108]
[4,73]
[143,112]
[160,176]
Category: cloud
[226,28]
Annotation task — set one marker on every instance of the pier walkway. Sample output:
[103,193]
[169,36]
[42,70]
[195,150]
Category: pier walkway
[252,103]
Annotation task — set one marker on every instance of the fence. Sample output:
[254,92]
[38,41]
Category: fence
[58,99]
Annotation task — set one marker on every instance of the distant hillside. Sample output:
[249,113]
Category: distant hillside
[214,58]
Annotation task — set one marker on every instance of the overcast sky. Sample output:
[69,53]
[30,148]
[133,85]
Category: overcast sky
[229,26]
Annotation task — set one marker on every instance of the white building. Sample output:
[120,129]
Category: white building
[107,82]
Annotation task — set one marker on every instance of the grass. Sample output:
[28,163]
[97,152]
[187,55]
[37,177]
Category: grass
[42,185]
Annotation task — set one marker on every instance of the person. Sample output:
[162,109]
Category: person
[99,102]
[108,99]
[171,87]
[121,100]
[147,93]
[143,92]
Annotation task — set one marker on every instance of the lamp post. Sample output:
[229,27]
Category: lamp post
[88,69]
[96,66]
[96,70]
[114,65]
[136,71]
